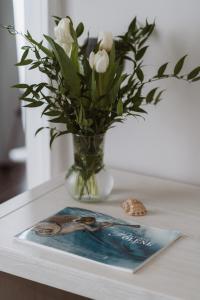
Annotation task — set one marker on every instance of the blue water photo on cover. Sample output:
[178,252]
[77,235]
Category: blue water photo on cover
[100,237]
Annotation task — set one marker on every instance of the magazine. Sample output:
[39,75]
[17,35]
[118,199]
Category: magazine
[100,238]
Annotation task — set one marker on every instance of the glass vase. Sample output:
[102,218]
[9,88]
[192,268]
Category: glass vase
[88,180]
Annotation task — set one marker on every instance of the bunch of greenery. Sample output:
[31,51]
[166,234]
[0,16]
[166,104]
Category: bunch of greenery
[86,101]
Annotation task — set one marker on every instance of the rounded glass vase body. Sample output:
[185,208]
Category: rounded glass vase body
[88,180]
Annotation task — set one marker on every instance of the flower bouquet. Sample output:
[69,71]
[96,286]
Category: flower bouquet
[90,91]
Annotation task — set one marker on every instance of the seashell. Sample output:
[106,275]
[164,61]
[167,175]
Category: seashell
[134,207]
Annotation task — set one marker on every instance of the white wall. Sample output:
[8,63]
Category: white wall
[167,144]
[38,154]
[42,163]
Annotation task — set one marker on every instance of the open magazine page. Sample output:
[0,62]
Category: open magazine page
[100,238]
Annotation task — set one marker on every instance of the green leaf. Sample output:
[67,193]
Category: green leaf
[133,26]
[129,58]
[93,87]
[28,99]
[56,19]
[24,62]
[62,133]
[25,47]
[68,69]
[40,86]
[79,29]
[37,54]
[150,95]
[61,119]
[74,56]
[179,65]
[109,75]
[140,74]
[141,53]
[112,55]
[26,93]
[34,104]
[35,65]
[146,32]
[53,136]
[38,130]
[72,31]
[80,115]
[193,73]
[115,89]
[148,29]
[47,107]
[161,70]
[21,86]
[139,109]
[196,79]
[25,54]
[39,45]
[120,107]
[158,99]
[52,113]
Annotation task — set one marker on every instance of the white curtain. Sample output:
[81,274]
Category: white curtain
[19,23]
[9,76]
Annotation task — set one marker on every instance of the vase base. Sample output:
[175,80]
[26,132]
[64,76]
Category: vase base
[86,199]
[97,189]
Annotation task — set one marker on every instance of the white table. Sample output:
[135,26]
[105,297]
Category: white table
[174,274]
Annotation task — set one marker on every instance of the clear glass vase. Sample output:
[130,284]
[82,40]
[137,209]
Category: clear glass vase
[88,180]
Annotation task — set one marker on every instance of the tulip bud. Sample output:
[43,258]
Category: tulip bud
[65,46]
[91,59]
[99,61]
[63,34]
[106,40]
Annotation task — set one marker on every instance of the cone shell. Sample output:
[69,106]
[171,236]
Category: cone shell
[134,207]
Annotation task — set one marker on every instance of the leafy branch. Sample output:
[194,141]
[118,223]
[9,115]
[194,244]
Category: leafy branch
[85,101]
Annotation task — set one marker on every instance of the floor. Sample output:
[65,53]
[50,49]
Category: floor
[16,288]
[12,180]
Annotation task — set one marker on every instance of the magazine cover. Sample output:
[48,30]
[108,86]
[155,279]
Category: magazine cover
[100,238]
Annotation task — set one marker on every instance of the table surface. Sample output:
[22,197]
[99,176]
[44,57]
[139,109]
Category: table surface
[174,274]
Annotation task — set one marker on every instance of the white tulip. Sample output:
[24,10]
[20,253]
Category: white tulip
[63,35]
[99,61]
[65,46]
[106,40]
[91,59]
